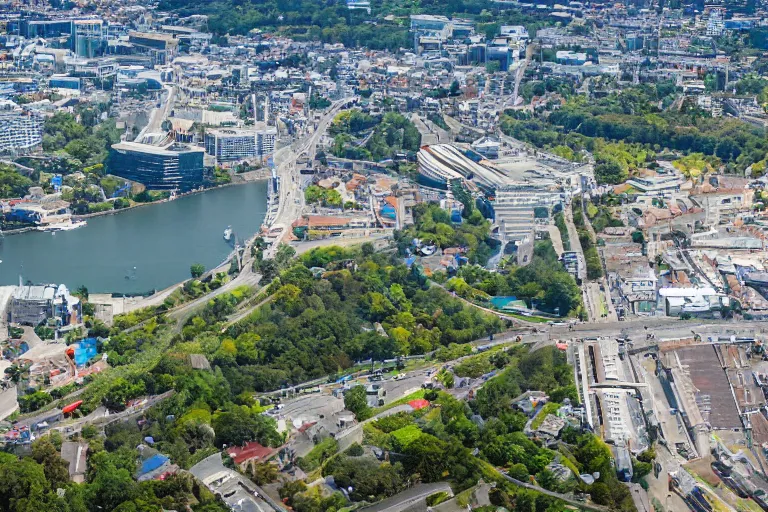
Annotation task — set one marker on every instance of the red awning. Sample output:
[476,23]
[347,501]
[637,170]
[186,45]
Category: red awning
[419,404]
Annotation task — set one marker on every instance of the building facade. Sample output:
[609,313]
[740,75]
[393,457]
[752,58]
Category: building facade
[20,129]
[32,305]
[231,145]
[176,167]
[162,48]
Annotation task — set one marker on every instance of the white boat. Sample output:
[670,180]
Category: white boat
[63,226]
[228,233]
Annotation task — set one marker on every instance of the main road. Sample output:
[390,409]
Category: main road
[158,115]
[290,205]
[290,196]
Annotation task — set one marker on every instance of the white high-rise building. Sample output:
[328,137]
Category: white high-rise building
[230,144]
[716,22]
[19,129]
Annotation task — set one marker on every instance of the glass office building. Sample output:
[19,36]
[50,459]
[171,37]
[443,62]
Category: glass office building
[175,167]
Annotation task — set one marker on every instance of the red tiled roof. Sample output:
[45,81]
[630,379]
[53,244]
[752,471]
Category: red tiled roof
[306,426]
[251,450]
[321,220]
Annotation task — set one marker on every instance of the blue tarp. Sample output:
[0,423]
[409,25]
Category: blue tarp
[85,350]
[153,463]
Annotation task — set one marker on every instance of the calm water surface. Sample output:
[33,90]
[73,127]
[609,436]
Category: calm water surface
[160,240]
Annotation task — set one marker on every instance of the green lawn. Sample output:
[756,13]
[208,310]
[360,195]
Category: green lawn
[413,396]
[532,319]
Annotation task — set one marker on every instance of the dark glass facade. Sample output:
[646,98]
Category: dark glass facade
[158,169]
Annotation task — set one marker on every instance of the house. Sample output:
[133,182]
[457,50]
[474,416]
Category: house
[251,453]
[199,362]
[154,465]
[328,223]
[75,454]
[529,402]
[551,426]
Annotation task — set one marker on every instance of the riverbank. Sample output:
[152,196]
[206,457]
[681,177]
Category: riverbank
[238,180]
[200,190]
[19,231]
[141,251]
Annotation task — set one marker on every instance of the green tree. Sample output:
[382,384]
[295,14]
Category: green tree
[12,184]
[239,425]
[55,468]
[24,484]
[110,488]
[427,456]
[196,270]
[356,401]
[609,171]
[262,474]
[519,472]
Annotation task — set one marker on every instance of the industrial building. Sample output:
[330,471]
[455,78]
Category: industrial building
[86,36]
[32,305]
[69,83]
[173,167]
[613,404]
[440,164]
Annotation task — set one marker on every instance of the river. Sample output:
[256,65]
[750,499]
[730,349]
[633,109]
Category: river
[161,241]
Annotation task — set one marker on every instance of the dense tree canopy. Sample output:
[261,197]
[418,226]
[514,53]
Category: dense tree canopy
[12,184]
[632,116]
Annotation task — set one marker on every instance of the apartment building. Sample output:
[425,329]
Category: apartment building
[19,129]
[232,144]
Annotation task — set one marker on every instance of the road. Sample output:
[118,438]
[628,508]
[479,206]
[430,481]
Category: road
[302,247]
[246,277]
[291,200]
[291,197]
[557,241]
[521,71]
[158,115]
[590,292]
[598,293]
[74,427]
[409,497]
[5,300]
[564,497]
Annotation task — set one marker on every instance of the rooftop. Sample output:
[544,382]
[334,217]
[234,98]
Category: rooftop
[172,150]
